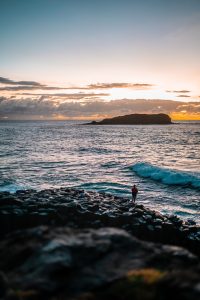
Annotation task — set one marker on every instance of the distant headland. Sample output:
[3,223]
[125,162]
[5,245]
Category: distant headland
[135,119]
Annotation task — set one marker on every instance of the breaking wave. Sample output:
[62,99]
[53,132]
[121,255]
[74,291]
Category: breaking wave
[167,176]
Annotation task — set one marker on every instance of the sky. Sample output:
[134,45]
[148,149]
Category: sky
[65,59]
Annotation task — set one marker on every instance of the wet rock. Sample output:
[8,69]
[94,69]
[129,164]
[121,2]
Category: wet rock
[168,226]
[150,227]
[10,200]
[139,211]
[158,216]
[157,221]
[190,222]
[67,206]
[93,207]
[158,227]
[147,217]
[193,228]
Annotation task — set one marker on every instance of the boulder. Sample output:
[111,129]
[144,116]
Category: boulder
[63,263]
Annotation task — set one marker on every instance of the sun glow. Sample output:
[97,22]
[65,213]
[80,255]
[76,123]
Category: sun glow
[184,116]
[118,93]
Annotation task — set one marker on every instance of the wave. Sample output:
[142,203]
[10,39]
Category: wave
[11,188]
[167,176]
[9,185]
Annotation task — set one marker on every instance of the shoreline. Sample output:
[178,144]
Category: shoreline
[69,244]
[87,209]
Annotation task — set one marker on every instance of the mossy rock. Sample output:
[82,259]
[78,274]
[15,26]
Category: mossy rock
[137,285]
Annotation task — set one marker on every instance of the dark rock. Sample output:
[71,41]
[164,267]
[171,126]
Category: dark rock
[190,222]
[158,227]
[133,119]
[157,221]
[60,263]
[150,227]
[168,226]
[91,209]
[140,206]
[10,200]
[3,284]
[93,123]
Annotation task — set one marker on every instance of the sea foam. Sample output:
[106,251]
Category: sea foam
[167,176]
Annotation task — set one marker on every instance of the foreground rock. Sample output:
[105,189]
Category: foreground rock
[136,119]
[81,209]
[107,263]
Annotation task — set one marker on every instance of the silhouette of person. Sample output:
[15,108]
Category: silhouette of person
[134,192]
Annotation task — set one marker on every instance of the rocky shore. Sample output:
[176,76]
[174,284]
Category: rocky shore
[74,244]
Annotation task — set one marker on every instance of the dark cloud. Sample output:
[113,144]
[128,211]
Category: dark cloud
[14,86]
[13,82]
[191,107]
[33,85]
[25,88]
[137,86]
[95,86]
[179,92]
[30,108]
[183,96]
[29,88]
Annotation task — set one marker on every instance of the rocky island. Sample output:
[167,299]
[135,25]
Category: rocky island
[73,244]
[136,119]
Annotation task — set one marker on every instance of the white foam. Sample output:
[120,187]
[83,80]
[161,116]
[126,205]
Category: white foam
[167,176]
[12,188]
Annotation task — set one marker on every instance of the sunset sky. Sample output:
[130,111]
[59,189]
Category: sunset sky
[79,59]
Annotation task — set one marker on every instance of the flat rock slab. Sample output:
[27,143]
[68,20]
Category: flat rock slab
[64,263]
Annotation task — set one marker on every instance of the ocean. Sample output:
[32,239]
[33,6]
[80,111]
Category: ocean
[162,160]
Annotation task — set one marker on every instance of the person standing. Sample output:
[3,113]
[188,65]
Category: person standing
[134,192]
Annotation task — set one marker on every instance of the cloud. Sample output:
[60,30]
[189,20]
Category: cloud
[137,86]
[33,85]
[14,86]
[191,107]
[30,108]
[183,96]
[28,88]
[13,82]
[179,92]
[96,86]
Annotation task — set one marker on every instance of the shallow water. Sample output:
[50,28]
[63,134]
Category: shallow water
[163,160]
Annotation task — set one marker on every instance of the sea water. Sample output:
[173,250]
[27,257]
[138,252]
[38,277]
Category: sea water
[162,160]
